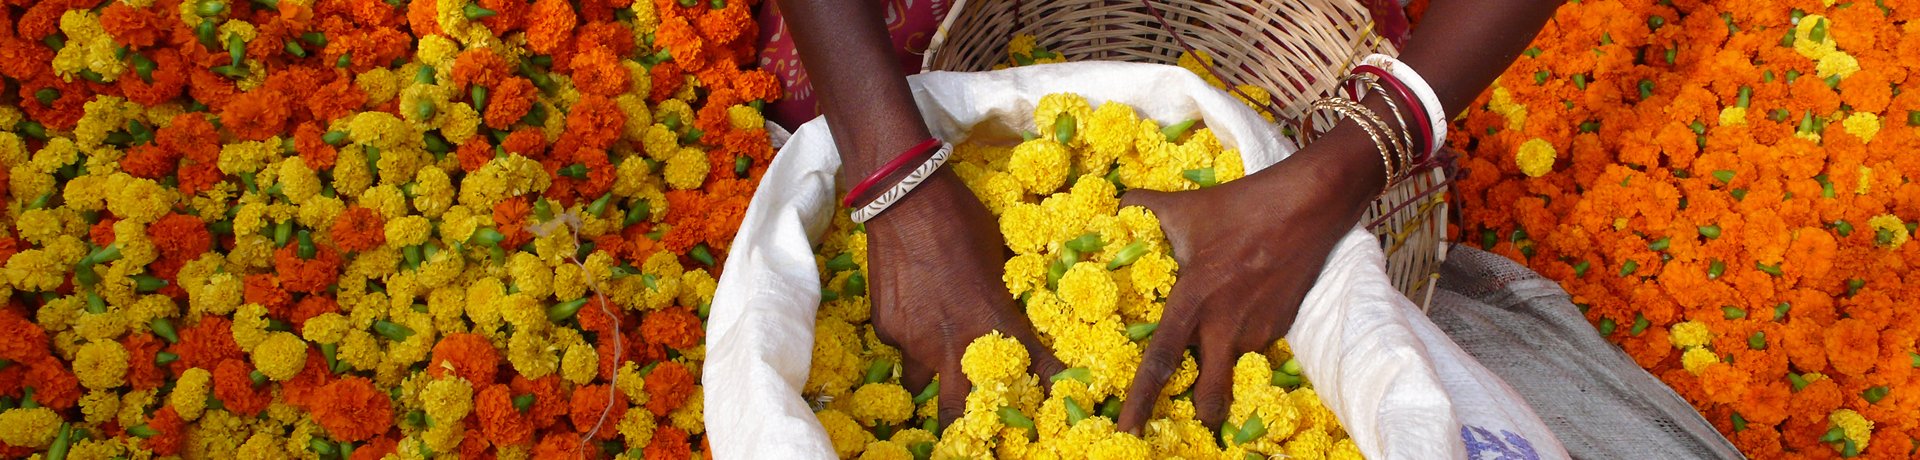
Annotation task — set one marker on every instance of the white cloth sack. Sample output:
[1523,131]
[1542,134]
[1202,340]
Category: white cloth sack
[1401,388]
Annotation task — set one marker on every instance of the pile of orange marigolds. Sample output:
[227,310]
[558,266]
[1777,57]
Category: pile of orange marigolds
[1727,190]
[351,228]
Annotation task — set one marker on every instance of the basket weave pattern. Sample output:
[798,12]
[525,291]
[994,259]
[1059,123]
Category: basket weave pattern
[1295,49]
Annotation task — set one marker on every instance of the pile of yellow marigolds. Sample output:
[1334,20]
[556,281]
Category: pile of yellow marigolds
[1093,277]
[1728,191]
[347,229]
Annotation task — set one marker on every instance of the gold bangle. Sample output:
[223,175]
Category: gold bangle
[1404,139]
[1368,122]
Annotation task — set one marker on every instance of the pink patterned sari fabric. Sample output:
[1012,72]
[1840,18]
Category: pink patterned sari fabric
[911,24]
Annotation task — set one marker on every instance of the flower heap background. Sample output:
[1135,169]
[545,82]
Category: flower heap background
[1726,189]
[350,228]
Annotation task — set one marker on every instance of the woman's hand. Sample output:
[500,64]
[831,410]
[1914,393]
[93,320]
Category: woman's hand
[1249,251]
[935,259]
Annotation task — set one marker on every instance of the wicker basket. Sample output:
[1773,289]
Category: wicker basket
[1295,49]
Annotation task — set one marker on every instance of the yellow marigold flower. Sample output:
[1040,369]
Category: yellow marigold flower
[1229,166]
[1309,444]
[408,230]
[380,129]
[1344,449]
[639,117]
[848,437]
[447,399]
[280,356]
[359,350]
[1888,231]
[103,114]
[502,178]
[89,48]
[249,156]
[688,417]
[994,358]
[1836,64]
[219,294]
[1863,125]
[36,270]
[745,118]
[580,364]
[686,169]
[1090,291]
[886,450]
[250,326]
[189,396]
[1047,112]
[380,84]
[637,427]
[883,402]
[1040,165]
[531,355]
[1733,116]
[1857,428]
[13,150]
[34,428]
[100,406]
[1198,62]
[1535,157]
[697,288]
[432,191]
[1696,360]
[1689,334]
[101,365]
[1025,272]
[138,200]
[836,358]
[1026,228]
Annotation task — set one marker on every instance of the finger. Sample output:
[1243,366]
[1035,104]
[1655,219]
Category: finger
[1161,358]
[1143,198]
[914,375]
[1212,392]
[954,387]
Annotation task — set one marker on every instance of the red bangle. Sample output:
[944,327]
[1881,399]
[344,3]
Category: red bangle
[915,154]
[1425,128]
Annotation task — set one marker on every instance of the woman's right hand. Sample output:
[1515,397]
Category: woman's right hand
[934,264]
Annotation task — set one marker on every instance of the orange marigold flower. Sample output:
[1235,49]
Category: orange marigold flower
[149,161]
[510,219]
[666,78]
[473,154]
[420,18]
[668,442]
[1853,345]
[596,121]
[265,289]
[142,373]
[168,79]
[382,446]
[549,400]
[235,389]
[549,24]
[479,66]
[206,344]
[311,275]
[101,233]
[468,356]
[257,115]
[510,100]
[528,142]
[499,420]
[598,71]
[598,405]
[173,432]
[309,307]
[675,327]
[310,140]
[355,410]
[358,229]
[24,340]
[668,386]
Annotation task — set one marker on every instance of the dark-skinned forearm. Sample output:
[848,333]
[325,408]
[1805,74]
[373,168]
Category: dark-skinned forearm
[1460,47]
[848,56]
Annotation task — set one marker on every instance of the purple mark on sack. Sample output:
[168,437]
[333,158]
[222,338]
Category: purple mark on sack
[1482,444]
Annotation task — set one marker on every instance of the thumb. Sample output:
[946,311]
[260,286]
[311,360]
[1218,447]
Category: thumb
[1150,199]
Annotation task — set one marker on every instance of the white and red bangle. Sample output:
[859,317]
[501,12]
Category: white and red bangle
[1436,115]
[906,184]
